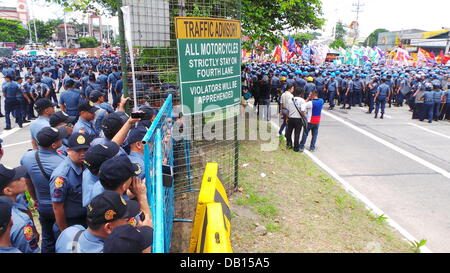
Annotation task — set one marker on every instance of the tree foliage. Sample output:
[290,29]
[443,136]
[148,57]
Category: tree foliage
[372,39]
[45,30]
[305,37]
[263,21]
[88,42]
[338,43]
[12,31]
[340,31]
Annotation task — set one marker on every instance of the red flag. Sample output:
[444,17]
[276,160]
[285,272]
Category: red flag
[277,54]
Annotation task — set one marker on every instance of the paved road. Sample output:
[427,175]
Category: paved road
[399,164]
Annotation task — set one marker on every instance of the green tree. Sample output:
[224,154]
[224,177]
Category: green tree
[12,31]
[88,42]
[338,43]
[372,39]
[263,21]
[305,37]
[45,30]
[340,31]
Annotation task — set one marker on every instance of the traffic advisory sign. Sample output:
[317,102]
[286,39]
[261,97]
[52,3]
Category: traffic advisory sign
[209,57]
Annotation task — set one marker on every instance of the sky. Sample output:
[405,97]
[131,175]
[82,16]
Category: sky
[429,15]
[42,10]
[393,15]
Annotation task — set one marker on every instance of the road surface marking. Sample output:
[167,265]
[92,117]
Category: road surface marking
[350,189]
[428,130]
[391,146]
[12,131]
[15,144]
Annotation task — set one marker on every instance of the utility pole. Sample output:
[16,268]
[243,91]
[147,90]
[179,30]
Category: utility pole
[447,48]
[358,10]
[123,56]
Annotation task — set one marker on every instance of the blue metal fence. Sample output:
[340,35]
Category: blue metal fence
[158,151]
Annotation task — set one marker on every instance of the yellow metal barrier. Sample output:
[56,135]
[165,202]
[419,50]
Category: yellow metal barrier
[212,228]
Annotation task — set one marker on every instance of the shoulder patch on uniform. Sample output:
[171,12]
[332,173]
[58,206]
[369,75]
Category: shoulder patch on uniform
[81,131]
[59,182]
[28,232]
[132,222]
[109,215]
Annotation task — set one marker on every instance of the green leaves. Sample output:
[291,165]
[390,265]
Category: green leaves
[88,42]
[12,31]
[264,21]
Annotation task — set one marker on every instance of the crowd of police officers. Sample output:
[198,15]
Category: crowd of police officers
[84,174]
[424,90]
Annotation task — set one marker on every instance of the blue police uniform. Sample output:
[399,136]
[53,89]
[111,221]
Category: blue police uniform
[86,127]
[23,104]
[50,86]
[90,86]
[105,141]
[319,81]
[38,124]
[371,96]
[66,186]
[309,87]
[332,86]
[11,91]
[50,160]
[87,242]
[71,99]
[5,249]
[357,92]
[89,181]
[349,96]
[437,96]
[446,111]
[22,233]
[84,82]
[106,106]
[113,78]
[138,158]
[100,115]
[428,106]
[383,92]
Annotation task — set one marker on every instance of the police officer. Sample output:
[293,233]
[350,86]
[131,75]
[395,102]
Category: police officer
[44,108]
[30,98]
[113,78]
[92,85]
[40,165]
[5,226]
[358,89]
[427,111]
[381,97]
[437,98]
[331,89]
[129,239]
[348,92]
[309,87]
[446,110]
[135,138]
[46,79]
[106,212]
[11,90]
[93,160]
[372,90]
[102,80]
[66,184]
[85,124]
[70,99]
[319,82]
[23,232]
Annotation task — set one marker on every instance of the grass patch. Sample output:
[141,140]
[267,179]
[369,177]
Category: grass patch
[273,227]
[318,214]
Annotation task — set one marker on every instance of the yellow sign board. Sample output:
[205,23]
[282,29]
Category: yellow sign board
[207,28]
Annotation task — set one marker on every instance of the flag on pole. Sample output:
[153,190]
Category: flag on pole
[292,46]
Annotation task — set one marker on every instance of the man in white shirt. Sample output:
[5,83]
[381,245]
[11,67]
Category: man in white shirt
[295,122]
[285,98]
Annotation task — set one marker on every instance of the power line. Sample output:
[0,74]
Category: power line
[358,10]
